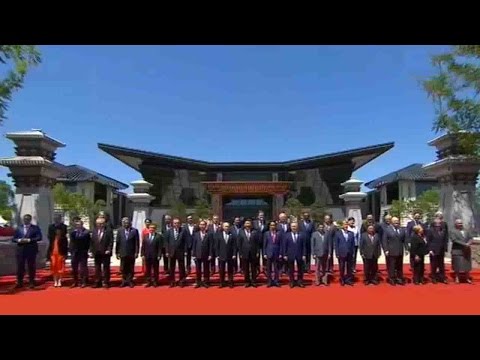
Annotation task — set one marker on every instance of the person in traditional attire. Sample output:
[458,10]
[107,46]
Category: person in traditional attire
[418,250]
[461,251]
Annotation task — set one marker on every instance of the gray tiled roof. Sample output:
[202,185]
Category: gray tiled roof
[77,173]
[411,172]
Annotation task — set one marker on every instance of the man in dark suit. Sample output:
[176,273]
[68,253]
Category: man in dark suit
[294,249]
[249,251]
[283,227]
[202,250]
[409,233]
[190,228]
[437,242]
[393,245]
[101,248]
[260,226]
[80,241]
[272,247]
[151,252]
[235,230]
[330,230]
[214,228]
[167,225]
[52,230]
[370,251]
[307,226]
[344,244]
[176,251]
[226,250]
[26,237]
[127,249]
[322,246]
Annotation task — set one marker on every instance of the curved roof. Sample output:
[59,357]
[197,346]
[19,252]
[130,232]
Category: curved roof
[411,172]
[134,158]
[74,173]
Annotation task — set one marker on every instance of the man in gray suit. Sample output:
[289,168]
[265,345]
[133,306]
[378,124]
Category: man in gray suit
[393,245]
[370,251]
[461,251]
[322,247]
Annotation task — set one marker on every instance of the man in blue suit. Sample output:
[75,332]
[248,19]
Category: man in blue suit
[271,254]
[294,250]
[27,237]
[344,243]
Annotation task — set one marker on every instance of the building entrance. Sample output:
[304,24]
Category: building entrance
[246,207]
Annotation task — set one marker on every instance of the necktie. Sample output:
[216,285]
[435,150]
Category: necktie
[248,235]
[226,238]
[295,238]
[202,236]
[284,227]
[273,237]
[175,234]
[151,237]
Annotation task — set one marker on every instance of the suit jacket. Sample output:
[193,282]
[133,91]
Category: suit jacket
[330,231]
[152,249]
[235,231]
[410,226]
[344,247]
[393,242]
[99,246]
[257,226]
[80,241]
[248,248]
[308,230]
[127,245]
[63,244]
[210,228]
[459,241]
[294,250]
[437,241]
[188,236]
[370,249]
[225,251]
[34,234]
[322,244]
[202,249]
[418,246]
[270,248]
[280,228]
[172,246]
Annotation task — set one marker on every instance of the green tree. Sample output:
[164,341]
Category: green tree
[179,210]
[401,208]
[20,58]
[454,90]
[294,207]
[202,209]
[6,199]
[317,211]
[76,204]
[428,204]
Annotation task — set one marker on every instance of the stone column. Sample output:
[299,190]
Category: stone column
[141,200]
[34,173]
[353,198]
[217,205]
[457,175]
[278,202]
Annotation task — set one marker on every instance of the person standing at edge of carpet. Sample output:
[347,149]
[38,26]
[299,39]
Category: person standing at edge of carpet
[27,237]
[461,251]
[418,250]
[127,249]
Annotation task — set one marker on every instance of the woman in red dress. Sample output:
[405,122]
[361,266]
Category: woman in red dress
[58,254]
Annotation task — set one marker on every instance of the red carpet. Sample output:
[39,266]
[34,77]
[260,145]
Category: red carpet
[360,299]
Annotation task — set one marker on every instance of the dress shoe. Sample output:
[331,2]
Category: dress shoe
[97,285]
[269,285]
[123,284]
[300,285]
[131,284]
[445,281]
[231,285]
[31,286]
[147,285]
[74,285]
[292,285]
[197,286]
[277,284]
[350,283]
[172,285]
[247,285]
[469,281]
[106,286]
[155,284]
[19,286]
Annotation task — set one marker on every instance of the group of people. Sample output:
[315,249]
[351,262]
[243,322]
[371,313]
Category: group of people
[250,247]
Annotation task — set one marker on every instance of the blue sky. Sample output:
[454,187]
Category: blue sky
[228,103]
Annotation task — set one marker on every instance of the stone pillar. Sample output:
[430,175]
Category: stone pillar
[353,198]
[34,173]
[457,175]
[141,203]
[278,202]
[217,205]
